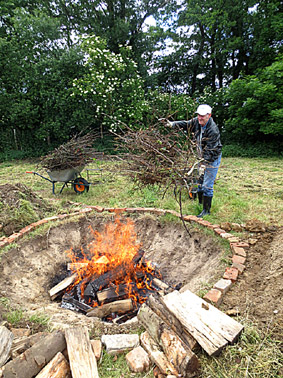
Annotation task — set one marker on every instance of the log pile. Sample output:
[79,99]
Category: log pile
[176,325]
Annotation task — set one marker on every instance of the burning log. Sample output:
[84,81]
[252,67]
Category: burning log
[61,286]
[71,303]
[35,358]
[119,307]
[81,356]
[58,367]
[115,274]
[176,351]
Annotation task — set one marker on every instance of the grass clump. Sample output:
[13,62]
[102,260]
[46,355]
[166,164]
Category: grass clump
[256,355]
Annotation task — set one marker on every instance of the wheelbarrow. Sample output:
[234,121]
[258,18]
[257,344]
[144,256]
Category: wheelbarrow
[67,176]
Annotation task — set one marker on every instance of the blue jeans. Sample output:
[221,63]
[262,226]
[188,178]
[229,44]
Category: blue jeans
[209,177]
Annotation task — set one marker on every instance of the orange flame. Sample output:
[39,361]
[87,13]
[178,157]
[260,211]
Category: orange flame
[116,245]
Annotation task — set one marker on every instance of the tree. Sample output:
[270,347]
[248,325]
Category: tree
[111,85]
[255,105]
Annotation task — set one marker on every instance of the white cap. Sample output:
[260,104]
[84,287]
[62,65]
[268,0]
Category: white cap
[204,109]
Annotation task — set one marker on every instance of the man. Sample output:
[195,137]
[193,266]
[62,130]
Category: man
[207,135]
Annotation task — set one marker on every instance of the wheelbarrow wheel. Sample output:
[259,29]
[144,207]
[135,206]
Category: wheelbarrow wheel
[81,185]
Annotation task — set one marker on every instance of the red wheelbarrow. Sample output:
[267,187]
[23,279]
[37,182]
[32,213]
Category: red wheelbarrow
[67,176]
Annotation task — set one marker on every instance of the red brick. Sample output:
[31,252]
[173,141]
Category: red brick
[231,274]
[4,242]
[225,235]
[238,259]
[12,238]
[191,218]
[99,209]
[214,296]
[242,244]
[239,267]
[159,211]
[26,229]
[233,239]
[138,360]
[238,250]
[219,231]
[223,285]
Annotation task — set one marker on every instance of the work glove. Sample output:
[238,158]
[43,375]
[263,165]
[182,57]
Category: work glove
[201,169]
[165,121]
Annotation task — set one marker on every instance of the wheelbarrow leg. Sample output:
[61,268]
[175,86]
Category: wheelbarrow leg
[63,187]
[53,187]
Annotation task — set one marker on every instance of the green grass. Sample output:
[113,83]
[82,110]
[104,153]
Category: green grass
[244,189]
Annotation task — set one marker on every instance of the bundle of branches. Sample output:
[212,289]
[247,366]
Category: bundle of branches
[77,152]
[162,155]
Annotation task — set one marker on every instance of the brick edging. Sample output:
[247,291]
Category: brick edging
[215,295]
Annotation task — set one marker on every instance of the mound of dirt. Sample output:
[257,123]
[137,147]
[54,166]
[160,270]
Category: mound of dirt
[19,206]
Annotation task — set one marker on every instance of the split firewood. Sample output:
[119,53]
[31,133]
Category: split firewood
[6,339]
[119,307]
[81,356]
[29,363]
[156,305]
[58,367]
[201,323]
[176,351]
[156,355]
[19,346]
[76,266]
[73,266]
[215,319]
[61,286]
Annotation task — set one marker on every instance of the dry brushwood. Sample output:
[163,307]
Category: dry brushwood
[77,152]
[160,155]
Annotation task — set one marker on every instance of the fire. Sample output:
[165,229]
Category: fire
[116,246]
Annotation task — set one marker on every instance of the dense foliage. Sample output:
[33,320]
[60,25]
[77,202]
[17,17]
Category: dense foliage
[68,67]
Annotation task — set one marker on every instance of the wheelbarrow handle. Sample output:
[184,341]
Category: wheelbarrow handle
[29,172]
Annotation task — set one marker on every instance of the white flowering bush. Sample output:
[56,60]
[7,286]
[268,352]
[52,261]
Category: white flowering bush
[111,84]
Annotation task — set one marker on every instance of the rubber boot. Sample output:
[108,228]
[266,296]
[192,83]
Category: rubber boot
[200,197]
[206,206]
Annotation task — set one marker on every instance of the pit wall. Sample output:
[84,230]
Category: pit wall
[214,295]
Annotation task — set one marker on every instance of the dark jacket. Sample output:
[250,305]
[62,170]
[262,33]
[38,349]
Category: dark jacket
[210,142]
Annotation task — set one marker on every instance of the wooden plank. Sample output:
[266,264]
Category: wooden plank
[176,351]
[215,319]
[58,367]
[57,289]
[6,339]
[81,356]
[210,341]
[30,363]
[119,307]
